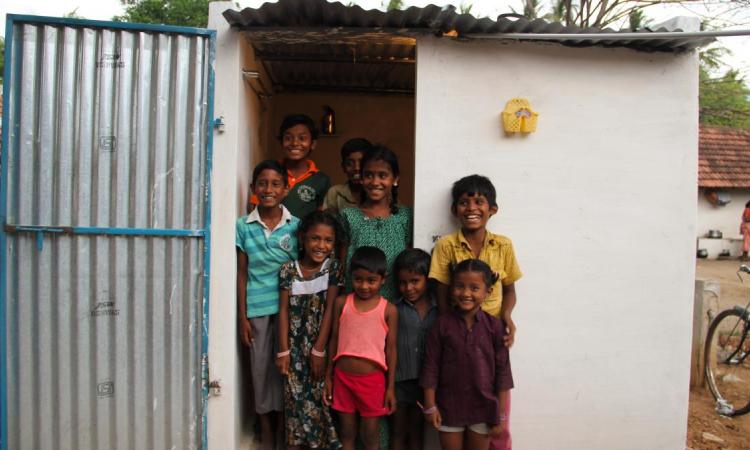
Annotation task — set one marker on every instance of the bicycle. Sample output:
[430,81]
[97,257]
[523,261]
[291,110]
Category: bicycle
[726,361]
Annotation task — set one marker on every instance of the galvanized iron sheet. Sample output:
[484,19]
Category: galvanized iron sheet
[108,129]
[104,342]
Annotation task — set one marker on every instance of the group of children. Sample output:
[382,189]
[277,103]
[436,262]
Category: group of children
[339,313]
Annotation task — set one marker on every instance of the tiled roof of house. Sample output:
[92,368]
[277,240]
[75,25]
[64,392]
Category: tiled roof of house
[724,157]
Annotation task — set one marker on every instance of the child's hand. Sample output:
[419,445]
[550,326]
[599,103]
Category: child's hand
[390,401]
[246,332]
[328,392]
[282,364]
[510,332]
[434,419]
[498,429]
[317,366]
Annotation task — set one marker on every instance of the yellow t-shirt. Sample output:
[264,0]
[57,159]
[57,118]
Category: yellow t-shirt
[497,252]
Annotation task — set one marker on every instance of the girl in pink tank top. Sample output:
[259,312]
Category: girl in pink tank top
[363,334]
[361,374]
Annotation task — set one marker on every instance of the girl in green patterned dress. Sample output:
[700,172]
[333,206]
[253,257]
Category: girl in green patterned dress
[307,290]
[379,221]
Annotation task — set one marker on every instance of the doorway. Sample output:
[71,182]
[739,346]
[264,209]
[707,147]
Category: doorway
[366,79]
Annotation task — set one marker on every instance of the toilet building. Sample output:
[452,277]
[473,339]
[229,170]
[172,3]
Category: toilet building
[127,154]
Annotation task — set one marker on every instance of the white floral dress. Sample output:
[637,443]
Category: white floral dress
[308,420]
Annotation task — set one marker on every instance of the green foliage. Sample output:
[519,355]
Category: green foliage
[191,13]
[710,57]
[724,99]
[395,4]
[723,95]
[637,20]
[531,9]
[557,12]
[465,8]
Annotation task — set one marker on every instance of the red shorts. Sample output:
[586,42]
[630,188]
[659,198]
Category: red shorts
[364,394]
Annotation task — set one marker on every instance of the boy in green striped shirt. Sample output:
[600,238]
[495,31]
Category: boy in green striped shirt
[266,238]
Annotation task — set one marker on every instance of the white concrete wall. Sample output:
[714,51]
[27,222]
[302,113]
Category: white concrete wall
[723,218]
[600,203]
[234,153]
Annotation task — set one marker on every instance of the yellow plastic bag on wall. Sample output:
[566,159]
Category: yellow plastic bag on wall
[519,117]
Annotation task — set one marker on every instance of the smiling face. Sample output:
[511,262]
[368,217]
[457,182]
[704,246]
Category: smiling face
[473,210]
[469,290]
[270,189]
[352,165]
[297,142]
[411,285]
[366,284]
[318,243]
[378,180]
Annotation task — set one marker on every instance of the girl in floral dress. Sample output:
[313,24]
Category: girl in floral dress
[307,290]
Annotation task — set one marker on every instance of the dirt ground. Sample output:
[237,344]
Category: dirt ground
[702,418]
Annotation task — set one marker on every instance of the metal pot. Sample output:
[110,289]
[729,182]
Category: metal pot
[702,253]
[714,234]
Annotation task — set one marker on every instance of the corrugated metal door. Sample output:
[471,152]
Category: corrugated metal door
[106,156]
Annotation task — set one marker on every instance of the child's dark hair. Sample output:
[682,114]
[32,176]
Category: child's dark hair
[298,119]
[477,266]
[372,259]
[382,153]
[320,218]
[354,145]
[270,164]
[414,260]
[474,185]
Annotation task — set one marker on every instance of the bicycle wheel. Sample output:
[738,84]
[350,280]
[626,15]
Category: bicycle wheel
[727,365]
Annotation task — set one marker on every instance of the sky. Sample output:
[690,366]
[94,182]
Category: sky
[105,9]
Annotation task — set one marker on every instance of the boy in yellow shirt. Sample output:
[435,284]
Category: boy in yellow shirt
[474,202]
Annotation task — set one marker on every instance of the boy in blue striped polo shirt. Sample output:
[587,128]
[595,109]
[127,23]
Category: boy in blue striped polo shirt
[266,238]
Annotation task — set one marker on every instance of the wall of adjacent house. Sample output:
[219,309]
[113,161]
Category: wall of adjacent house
[723,218]
[600,204]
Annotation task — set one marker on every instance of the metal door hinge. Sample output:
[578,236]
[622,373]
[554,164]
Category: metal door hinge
[219,124]
[214,387]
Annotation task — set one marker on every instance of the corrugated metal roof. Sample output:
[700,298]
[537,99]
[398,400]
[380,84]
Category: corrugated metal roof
[385,67]
[307,14]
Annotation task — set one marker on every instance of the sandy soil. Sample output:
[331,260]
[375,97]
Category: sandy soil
[702,418]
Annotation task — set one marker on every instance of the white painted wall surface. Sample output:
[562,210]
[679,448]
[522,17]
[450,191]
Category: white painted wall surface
[228,427]
[600,204]
[723,218]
